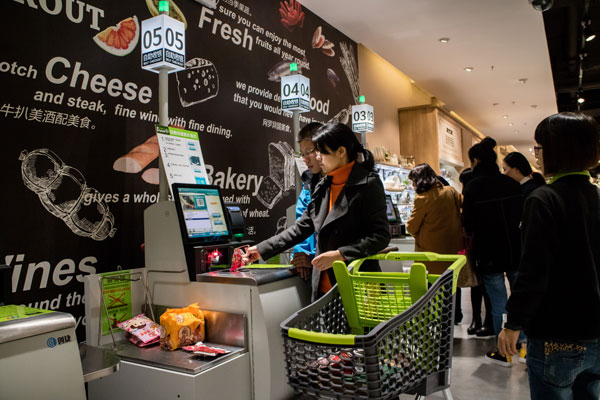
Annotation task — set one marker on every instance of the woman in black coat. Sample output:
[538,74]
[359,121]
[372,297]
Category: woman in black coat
[352,227]
[556,299]
[492,208]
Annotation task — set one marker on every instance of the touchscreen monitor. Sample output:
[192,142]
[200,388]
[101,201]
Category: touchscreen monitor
[392,212]
[202,214]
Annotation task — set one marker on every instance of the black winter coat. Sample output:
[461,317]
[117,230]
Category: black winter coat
[557,293]
[492,209]
[357,224]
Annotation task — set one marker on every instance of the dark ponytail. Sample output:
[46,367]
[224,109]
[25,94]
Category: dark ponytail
[334,136]
[484,151]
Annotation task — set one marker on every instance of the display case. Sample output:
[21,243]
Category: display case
[398,186]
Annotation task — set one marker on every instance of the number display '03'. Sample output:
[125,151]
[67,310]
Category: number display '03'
[363,118]
[163,44]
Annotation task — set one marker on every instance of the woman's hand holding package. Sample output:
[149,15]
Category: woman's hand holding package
[325,261]
[251,255]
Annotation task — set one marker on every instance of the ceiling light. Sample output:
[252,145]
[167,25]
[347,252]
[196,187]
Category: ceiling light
[531,150]
[495,104]
[469,69]
[444,40]
[515,131]
[523,80]
[505,116]
[510,124]
[580,98]
[533,106]
[588,32]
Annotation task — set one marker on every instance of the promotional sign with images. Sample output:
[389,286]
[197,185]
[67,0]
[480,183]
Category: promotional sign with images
[81,159]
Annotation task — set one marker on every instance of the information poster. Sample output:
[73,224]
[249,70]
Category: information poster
[182,156]
[83,165]
[117,298]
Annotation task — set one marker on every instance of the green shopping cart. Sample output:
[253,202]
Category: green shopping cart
[376,335]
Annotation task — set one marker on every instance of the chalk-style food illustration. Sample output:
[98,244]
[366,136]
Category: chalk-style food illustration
[281,222]
[319,42]
[282,68]
[151,176]
[208,3]
[174,11]
[332,77]
[350,68]
[121,39]
[292,15]
[139,157]
[343,117]
[63,192]
[198,82]
[281,174]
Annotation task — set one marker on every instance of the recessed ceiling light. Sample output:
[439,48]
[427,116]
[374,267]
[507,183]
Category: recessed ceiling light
[412,81]
[531,150]
[505,116]
[469,69]
[444,40]
[515,131]
[495,104]
[533,106]
[523,80]
[510,124]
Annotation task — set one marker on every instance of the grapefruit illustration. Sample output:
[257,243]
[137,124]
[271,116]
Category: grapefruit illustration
[120,39]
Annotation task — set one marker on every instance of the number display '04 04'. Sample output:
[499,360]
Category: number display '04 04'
[296,90]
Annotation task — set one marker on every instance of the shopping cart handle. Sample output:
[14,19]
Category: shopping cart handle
[321,337]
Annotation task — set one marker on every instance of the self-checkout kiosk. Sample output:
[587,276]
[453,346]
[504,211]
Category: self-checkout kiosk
[182,238]
[397,228]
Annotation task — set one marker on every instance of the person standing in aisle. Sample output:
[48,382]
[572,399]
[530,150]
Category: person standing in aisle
[478,294]
[347,213]
[556,299]
[304,252]
[492,209]
[517,167]
[435,221]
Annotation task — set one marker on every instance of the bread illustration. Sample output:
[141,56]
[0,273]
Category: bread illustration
[138,157]
[151,176]
[269,193]
[198,82]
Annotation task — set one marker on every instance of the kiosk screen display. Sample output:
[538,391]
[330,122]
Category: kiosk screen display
[392,211]
[201,213]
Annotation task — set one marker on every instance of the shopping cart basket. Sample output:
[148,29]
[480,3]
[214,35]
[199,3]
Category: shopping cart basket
[376,335]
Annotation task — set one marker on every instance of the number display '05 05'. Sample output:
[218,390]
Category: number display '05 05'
[303,90]
[154,38]
[362,116]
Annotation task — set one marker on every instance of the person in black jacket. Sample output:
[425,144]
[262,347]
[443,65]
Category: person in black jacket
[347,213]
[492,210]
[556,299]
[517,167]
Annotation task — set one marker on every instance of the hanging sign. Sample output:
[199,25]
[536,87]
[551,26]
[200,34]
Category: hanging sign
[295,93]
[163,44]
[363,119]
[181,155]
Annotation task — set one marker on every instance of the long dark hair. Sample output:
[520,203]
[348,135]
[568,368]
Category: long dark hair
[424,178]
[484,151]
[334,136]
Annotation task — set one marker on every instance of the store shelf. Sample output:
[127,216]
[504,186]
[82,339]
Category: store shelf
[403,199]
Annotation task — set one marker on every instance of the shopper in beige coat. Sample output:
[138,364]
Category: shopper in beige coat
[435,220]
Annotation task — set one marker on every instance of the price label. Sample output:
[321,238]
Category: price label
[363,118]
[295,93]
[163,44]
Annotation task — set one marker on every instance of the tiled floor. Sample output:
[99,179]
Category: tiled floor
[472,377]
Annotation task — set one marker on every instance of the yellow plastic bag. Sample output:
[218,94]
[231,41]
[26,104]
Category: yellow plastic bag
[181,327]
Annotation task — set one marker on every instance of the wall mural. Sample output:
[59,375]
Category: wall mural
[80,157]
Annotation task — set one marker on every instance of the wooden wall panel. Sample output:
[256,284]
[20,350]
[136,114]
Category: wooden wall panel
[419,136]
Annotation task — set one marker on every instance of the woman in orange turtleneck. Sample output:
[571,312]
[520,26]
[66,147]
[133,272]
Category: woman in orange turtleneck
[347,212]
